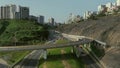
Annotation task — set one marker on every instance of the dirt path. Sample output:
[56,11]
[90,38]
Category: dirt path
[65,63]
[44,65]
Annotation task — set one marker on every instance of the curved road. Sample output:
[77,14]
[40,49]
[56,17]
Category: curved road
[89,62]
[31,61]
[3,66]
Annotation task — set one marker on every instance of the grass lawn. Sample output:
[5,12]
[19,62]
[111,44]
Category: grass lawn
[55,58]
[73,60]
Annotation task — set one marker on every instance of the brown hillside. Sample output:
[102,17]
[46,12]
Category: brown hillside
[106,29]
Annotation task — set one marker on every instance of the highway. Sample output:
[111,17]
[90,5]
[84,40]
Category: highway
[85,57]
[31,61]
[89,63]
[3,63]
[3,66]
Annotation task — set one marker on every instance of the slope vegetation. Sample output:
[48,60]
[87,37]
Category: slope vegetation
[21,32]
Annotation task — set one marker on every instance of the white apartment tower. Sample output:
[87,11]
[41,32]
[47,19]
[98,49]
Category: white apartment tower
[7,12]
[101,8]
[109,5]
[51,21]
[87,14]
[10,12]
[118,2]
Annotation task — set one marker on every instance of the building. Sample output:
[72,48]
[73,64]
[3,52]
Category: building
[70,18]
[1,14]
[7,12]
[17,15]
[73,19]
[87,15]
[40,19]
[109,5]
[77,18]
[33,18]
[118,2]
[51,21]
[115,4]
[24,12]
[102,8]
[12,11]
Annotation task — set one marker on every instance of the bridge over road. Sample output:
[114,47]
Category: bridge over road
[45,46]
[76,41]
[75,44]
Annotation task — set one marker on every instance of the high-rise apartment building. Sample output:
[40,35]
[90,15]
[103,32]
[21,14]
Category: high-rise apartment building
[40,19]
[24,12]
[17,15]
[7,12]
[101,8]
[109,5]
[87,14]
[12,11]
[51,21]
[0,13]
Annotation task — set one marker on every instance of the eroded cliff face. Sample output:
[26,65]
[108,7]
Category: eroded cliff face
[106,29]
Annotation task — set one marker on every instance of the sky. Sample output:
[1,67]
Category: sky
[58,9]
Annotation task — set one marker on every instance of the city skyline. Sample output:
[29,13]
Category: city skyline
[58,9]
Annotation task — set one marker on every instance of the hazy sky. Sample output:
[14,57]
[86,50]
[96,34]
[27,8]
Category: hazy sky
[58,9]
